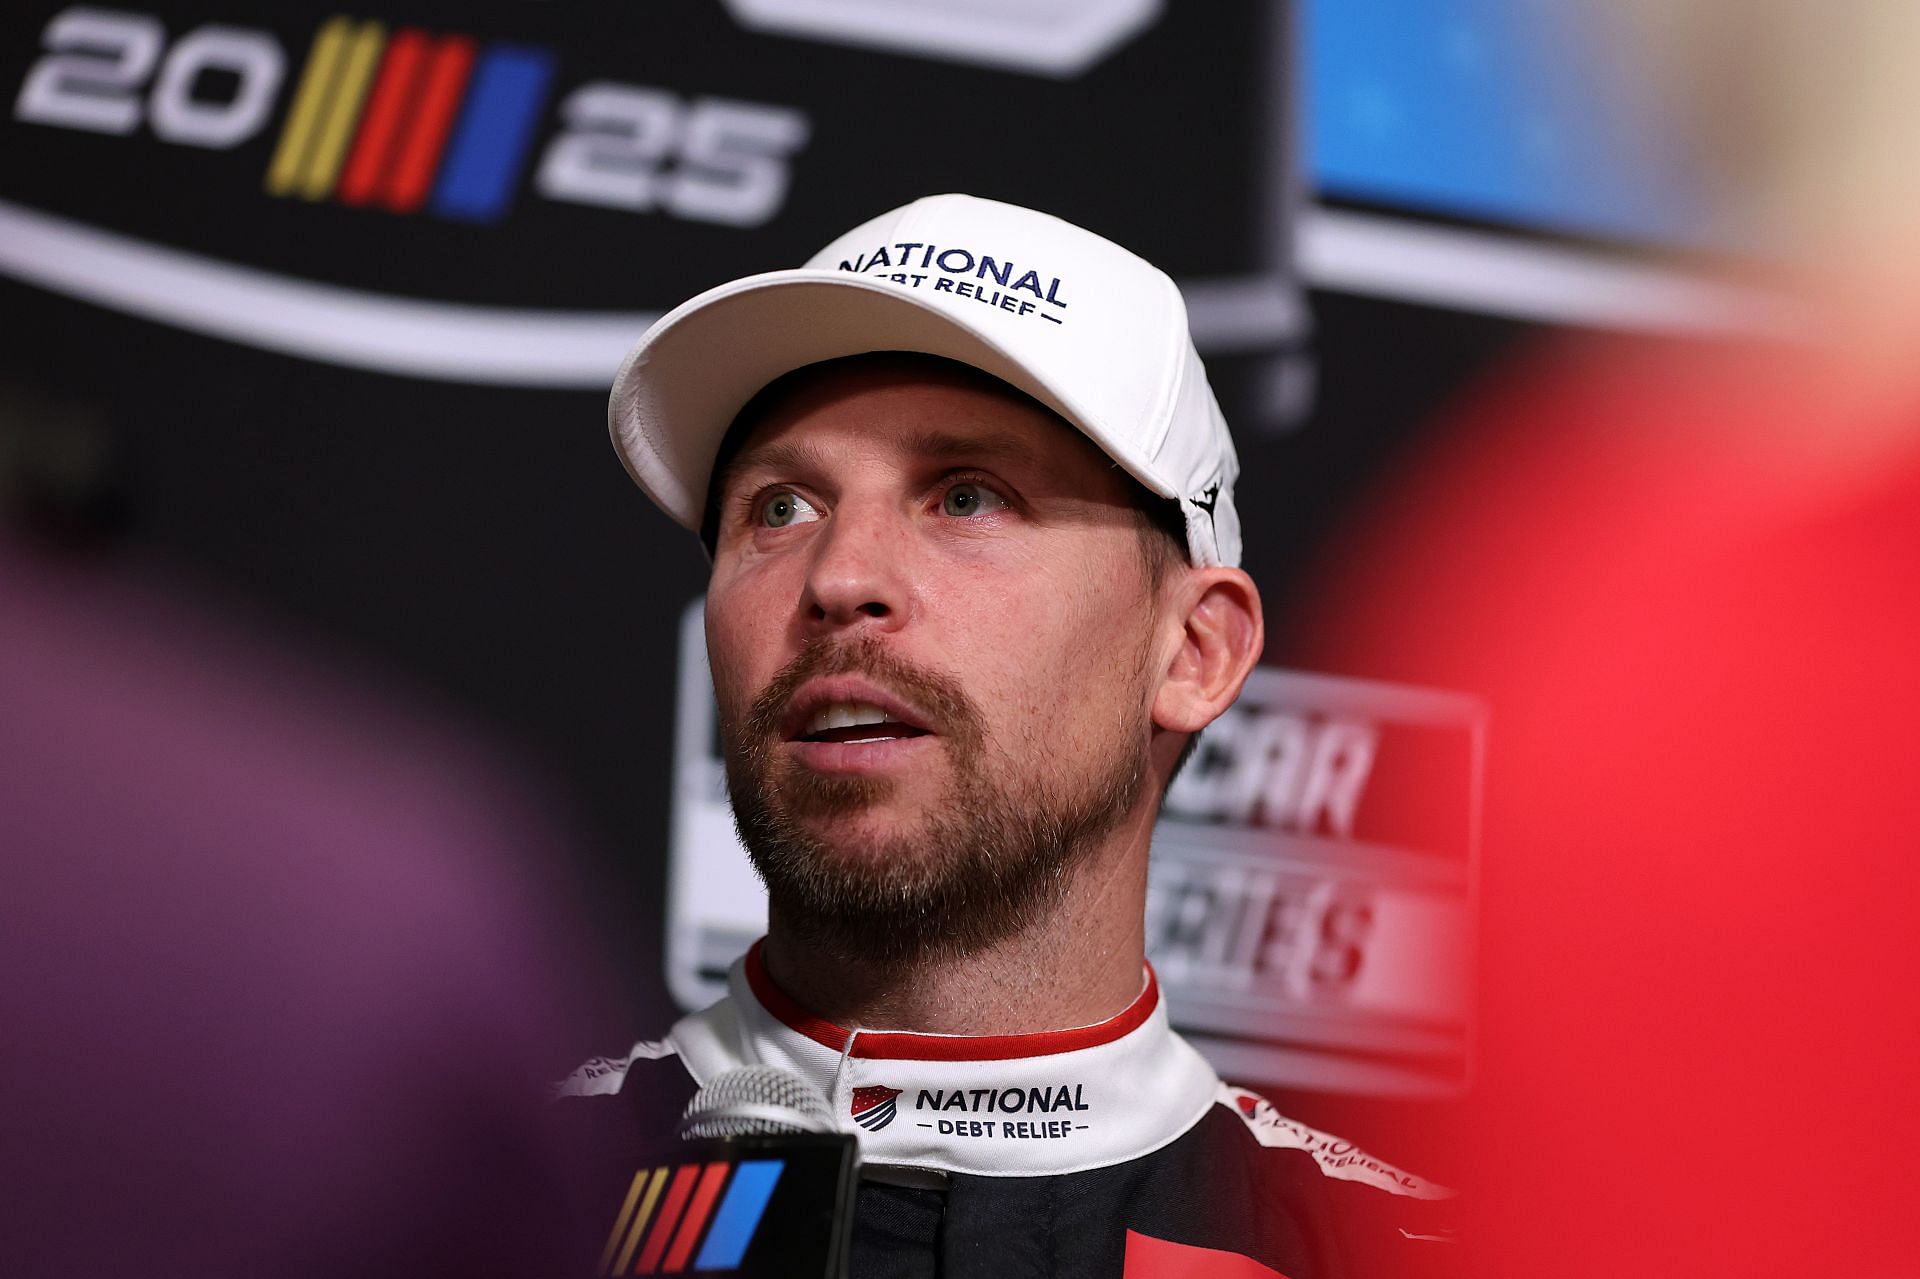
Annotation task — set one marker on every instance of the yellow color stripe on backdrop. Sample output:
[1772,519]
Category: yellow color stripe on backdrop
[343,110]
[296,138]
[640,1221]
[323,124]
[321,60]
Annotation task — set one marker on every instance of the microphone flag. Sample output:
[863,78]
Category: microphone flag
[739,1206]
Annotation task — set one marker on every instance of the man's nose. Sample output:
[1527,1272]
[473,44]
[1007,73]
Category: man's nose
[859,575]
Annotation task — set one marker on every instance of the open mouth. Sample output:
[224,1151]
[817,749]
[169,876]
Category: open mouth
[856,722]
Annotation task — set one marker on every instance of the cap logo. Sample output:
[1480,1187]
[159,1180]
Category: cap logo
[989,279]
[1208,499]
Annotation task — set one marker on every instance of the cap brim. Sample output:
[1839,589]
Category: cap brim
[683,384]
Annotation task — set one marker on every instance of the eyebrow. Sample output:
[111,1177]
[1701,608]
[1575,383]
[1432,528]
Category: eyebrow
[778,456]
[934,444]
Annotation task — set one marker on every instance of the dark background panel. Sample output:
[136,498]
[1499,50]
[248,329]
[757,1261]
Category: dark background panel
[482,545]
[1162,146]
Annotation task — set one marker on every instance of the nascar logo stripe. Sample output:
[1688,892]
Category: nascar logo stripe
[739,1215]
[495,133]
[382,139]
[691,1192]
[644,1191]
[704,1195]
[407,120]
[325,106]
[679,1190]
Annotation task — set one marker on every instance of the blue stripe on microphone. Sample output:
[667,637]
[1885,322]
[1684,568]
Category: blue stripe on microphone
[739,1215]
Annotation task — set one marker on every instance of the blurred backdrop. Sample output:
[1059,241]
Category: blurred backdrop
[311,316]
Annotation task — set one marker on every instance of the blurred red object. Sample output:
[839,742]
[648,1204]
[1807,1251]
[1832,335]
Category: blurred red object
[1687,578]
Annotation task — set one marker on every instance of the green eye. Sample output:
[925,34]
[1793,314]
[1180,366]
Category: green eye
[970,499]
[786,508]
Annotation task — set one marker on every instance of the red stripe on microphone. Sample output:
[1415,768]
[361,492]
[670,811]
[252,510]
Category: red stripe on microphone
[703,1197]
[677,1192]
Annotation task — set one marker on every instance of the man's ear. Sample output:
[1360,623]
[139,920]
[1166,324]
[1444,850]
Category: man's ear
[1222,633]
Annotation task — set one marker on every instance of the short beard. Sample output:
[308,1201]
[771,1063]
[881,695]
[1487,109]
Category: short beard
[990,860]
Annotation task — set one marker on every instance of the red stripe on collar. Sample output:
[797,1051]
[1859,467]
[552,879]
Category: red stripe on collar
[912,1046]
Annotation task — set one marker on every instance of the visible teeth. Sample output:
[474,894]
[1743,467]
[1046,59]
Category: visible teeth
[846,715]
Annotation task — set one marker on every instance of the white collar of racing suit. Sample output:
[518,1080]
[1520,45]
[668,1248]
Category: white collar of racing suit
[993,1105]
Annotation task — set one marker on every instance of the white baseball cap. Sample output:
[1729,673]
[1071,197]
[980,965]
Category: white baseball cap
[1090,330]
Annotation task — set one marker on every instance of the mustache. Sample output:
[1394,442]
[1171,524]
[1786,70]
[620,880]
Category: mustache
[936,695]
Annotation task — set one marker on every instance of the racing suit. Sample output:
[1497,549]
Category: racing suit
[1109,1150]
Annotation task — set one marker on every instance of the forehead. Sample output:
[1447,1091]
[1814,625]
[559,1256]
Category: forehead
[910,406]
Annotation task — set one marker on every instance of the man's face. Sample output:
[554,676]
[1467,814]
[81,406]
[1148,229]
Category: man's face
[930,626]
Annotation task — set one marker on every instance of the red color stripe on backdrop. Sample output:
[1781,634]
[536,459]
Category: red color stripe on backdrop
[703,1197]
[386,108]
[420,149]
[677,1191]
[912,1046]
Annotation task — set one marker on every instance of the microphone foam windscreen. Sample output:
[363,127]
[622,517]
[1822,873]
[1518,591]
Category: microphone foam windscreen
[754,1100]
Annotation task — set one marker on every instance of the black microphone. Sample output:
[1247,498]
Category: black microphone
[760,1186]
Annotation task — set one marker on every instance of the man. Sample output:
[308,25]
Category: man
[969,503]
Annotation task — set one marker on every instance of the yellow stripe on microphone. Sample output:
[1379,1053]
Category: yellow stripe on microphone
[620,1222]
[640,1221]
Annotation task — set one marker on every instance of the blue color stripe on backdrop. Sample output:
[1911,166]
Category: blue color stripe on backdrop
[496,127]
[739,1215]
